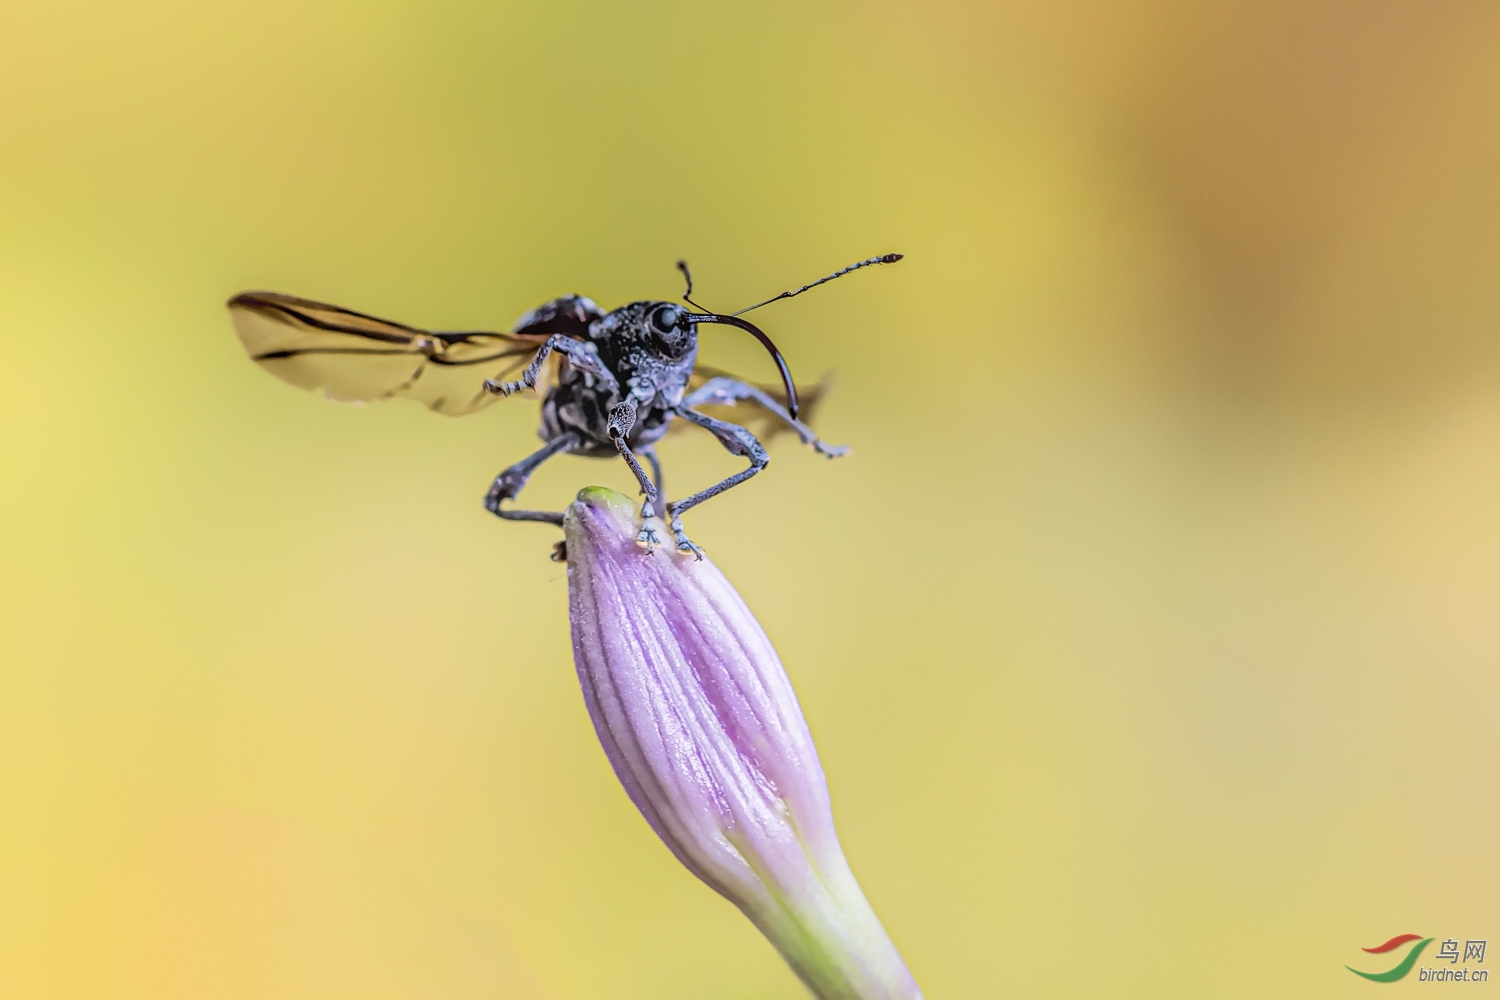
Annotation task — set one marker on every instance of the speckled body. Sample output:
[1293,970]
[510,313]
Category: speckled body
[622,378]
[650,368]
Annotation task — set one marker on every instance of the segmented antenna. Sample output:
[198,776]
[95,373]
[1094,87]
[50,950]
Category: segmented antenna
[889,258]
[687,296]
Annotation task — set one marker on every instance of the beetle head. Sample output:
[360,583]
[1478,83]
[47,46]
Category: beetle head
[671,333]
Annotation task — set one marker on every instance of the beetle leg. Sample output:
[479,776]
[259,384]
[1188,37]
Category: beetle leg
[721,391]
[621,420]
[656,475]
[509,482]
[737,441]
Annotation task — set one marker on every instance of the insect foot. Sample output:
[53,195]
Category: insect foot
[648,538]
[829,450]
[503,388]
[685,545]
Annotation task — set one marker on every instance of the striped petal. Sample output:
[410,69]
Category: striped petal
[700,722]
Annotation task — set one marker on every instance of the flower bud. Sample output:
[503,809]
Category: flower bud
[702,727]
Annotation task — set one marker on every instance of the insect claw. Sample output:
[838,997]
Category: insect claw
[685,544]
[648,538]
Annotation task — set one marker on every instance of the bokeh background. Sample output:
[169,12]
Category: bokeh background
[1150,636]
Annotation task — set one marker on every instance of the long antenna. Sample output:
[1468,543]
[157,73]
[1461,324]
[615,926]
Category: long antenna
[889,258]
[687,296]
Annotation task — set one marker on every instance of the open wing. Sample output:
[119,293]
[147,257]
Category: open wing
[351,356]
[761,422]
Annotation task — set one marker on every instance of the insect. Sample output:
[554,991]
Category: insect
[619,380]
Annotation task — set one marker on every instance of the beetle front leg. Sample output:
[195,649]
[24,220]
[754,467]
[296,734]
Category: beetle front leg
[721,391]
[582,354]
[621,420]
[737,441]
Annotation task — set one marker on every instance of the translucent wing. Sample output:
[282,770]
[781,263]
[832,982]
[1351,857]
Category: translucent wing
[351,356]
[761,422]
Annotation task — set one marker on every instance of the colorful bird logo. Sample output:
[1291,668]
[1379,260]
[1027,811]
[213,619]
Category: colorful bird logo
[1402,967]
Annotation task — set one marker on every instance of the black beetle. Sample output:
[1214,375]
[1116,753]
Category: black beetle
[621,378]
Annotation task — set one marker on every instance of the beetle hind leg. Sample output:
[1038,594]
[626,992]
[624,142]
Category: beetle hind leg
[723,391]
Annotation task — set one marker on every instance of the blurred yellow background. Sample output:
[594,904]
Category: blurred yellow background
[1150,636]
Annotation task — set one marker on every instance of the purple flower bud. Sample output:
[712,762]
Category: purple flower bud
[704,731]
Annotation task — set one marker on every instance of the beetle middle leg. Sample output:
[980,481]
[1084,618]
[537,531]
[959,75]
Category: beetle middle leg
[737,441]
[621,420]
[509,482]
[722,391]
[656,474]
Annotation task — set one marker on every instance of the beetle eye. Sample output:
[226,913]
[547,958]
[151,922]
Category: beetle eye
[666,319]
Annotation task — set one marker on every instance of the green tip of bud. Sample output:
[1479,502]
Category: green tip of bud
[601,495]
[604,499]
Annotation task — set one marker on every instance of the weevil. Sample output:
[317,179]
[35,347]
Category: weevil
[620,379]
